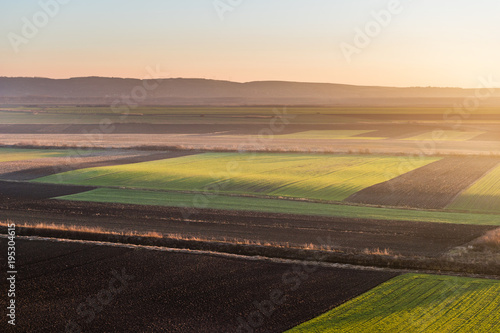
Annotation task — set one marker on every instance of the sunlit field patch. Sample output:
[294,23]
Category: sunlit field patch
[238,203]
[11,155]
[484,195]
[319,177]
[417,303]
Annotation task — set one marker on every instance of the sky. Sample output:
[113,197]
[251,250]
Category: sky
[363,42]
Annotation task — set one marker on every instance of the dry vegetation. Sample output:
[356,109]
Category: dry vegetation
[491,240]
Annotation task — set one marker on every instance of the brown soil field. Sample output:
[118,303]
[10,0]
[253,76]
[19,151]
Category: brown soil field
[33,191]
[162,291]
[32,169]
[346,234]
[433,186]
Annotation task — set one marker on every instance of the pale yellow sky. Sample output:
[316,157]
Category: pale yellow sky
[416,43]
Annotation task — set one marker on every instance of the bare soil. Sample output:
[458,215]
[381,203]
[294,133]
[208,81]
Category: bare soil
[170,292]
[398,237]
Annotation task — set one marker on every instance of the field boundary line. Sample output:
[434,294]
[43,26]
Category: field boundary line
[474,183]
[421,264]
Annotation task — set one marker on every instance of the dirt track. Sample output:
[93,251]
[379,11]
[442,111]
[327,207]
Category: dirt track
[169,292]
[433,186]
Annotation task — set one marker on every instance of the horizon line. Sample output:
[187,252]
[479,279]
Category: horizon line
[240,82]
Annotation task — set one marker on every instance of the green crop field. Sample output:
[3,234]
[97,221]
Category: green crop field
[484,195]
[11,155]
[417,303]
[320,177]
[445,136]
[329,135]
[197,201]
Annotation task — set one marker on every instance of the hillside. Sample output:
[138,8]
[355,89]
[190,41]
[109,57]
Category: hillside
[179,91]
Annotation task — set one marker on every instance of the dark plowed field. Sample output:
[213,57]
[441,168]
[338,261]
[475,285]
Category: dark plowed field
[400,237]
[62,285]
[433,186]
[31,171]
[34,191]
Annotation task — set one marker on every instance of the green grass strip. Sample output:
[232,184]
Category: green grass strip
[416,303]
[190,200]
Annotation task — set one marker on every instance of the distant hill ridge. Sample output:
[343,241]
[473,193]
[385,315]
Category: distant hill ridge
[181,91]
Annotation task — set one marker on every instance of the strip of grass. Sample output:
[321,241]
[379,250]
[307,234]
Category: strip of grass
[321,177]
[190,200]
[483,196]
[417,303]
[11,155]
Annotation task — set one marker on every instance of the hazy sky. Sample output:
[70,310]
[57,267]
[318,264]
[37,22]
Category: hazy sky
[423,43]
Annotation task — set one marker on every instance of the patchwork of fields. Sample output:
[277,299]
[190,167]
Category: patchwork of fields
[417,303]
[397,183]
[383,181]
[239,203]
[320,177]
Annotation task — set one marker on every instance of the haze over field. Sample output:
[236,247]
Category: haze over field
[92,90]
[250,166]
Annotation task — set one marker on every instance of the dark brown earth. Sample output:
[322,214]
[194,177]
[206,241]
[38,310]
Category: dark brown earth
[64,285]
[433,186]
[399,237]
[35,191]
[31,170]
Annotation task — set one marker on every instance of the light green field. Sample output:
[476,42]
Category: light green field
[445,136]
[329,135]
[198,201]
[321,177]
[11,155]
[417,303]
[483,196]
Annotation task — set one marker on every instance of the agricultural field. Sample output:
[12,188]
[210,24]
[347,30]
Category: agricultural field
[14,155]
[319,177]
[482,196]
[331,135]
[162,290]
[417,303]
[433,186]
[446,136]
[238,203]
